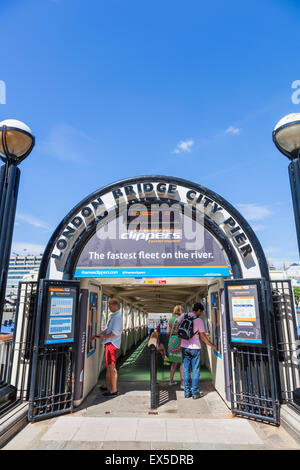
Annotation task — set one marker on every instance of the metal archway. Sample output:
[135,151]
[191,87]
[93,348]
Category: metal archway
[240,225]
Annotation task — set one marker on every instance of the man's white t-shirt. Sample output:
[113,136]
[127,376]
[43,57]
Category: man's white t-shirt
[115,326]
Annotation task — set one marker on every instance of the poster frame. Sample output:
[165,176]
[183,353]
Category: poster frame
[45,285]
[261,312]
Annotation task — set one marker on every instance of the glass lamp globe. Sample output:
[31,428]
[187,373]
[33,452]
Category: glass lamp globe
[16,140]
[286,135]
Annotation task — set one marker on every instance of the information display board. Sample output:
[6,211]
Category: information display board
[59,310]
[245,310]
[152,244]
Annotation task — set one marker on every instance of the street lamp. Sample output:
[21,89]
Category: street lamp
[286,136]
[16,140]
[16,143]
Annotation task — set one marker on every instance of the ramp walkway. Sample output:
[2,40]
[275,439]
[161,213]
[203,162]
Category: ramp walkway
[135,367]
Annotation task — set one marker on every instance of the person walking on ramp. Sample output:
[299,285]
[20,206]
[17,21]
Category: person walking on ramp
[190,328]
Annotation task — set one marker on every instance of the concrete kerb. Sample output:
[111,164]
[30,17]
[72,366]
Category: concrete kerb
[290,420]
[12,422]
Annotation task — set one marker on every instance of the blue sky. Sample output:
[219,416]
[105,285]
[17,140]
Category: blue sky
[119,88]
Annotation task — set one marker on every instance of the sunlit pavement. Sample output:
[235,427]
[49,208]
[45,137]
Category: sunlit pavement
[124,422]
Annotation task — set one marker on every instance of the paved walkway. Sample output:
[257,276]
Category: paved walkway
[124,423]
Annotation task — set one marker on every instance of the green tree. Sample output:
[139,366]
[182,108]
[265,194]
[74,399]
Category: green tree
[297,295]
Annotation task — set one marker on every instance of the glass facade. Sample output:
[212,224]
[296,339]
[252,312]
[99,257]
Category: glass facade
[20,266]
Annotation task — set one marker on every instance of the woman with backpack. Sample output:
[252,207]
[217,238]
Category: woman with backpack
[174,348]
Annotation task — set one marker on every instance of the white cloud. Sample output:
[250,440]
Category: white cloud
[232,130]
[254,212]
[184,146]
[31,220]
[24,248]
[66,143]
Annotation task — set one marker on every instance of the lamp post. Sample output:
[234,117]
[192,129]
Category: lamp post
[286,136]
[16,143]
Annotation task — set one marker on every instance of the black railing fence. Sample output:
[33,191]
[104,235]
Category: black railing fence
[253,386]
[53,388]
[16,349]
[288,344]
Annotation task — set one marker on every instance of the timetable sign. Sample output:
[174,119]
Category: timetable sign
[61,306]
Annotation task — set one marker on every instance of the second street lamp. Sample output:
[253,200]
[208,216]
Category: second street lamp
[286,136]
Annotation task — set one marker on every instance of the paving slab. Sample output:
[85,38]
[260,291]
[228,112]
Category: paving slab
[181,430]
[224,431]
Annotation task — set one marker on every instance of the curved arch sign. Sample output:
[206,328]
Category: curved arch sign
[153,226]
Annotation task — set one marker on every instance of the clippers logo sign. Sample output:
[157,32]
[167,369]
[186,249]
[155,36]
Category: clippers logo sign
[150,236]
[154,225]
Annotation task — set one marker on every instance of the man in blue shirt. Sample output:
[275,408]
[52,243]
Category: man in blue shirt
[111,338]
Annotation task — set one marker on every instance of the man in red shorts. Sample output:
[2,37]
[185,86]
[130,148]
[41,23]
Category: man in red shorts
[111,338]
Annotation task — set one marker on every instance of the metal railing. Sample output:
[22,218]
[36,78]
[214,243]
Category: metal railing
[16,350]
[253,388]
[288,344]
[152,345]
[53,385]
